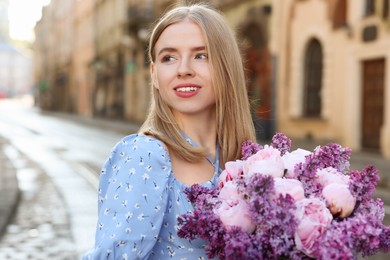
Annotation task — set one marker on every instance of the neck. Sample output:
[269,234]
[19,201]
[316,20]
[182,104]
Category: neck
[202,130]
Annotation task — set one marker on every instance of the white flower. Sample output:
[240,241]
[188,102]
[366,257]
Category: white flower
[292,159]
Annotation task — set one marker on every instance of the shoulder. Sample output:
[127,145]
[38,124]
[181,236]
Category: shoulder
[138,143]
[140,148]
[144,140]
[136,159]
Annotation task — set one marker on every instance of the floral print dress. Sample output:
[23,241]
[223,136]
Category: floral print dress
[139,202]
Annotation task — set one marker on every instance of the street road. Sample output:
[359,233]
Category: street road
[71,151]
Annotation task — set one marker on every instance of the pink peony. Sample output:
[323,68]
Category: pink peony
[233,170]
[339,199]
[292,159]
[330,175]
[235,213]
[267,161]
[314,219]
[229,191]
[293,187]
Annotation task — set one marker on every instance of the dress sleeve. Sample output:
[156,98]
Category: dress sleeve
[133,195]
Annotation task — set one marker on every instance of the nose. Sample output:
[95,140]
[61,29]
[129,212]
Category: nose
[185,68]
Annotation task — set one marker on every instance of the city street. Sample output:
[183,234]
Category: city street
[58,158]
[57,162]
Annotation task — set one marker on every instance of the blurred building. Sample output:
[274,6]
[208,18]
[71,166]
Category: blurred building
[332,71]
[44,60]
[4,22]
[84,80]
[315,69]
[53,50]
[252,22]
[15,62]
[15,70]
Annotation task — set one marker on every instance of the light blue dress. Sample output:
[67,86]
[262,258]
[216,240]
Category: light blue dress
[139,202]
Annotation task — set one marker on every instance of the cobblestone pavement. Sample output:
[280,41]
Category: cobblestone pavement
[40,227]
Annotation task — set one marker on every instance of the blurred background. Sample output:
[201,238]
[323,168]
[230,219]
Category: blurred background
[74,78]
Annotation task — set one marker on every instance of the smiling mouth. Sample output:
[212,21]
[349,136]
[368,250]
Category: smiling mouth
[187,89]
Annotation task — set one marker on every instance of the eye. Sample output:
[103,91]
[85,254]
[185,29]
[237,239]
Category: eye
[167,58]
[202,56]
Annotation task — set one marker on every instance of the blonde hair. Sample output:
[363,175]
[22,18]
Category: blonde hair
[234,122]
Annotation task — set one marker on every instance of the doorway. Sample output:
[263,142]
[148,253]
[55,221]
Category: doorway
[372,103]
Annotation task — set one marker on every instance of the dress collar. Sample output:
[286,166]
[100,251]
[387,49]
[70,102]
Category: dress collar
[215,162]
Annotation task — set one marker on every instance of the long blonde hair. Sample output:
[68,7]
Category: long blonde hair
[234,122]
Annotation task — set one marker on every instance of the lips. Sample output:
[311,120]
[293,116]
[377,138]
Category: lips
[187,90]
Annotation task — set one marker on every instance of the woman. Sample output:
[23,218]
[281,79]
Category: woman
[198,119]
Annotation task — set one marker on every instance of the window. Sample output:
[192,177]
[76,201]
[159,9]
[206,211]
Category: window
[385,10]
[369,7]
[340,14]
[312,80]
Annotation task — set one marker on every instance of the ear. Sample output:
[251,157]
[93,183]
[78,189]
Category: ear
[153,74]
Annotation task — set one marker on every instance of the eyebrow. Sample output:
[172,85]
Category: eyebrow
[171,49]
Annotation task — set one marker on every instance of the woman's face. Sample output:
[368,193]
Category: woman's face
[181,70]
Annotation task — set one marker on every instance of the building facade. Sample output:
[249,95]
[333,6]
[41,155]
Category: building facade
[53,50]
[332,71]
[16,78]
[15,62]
[83,81]
[4,22]
[315,68]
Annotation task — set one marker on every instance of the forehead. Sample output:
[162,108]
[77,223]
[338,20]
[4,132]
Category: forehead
[183,34]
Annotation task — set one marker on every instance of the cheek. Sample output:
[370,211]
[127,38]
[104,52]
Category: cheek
[204,70]
[162,77]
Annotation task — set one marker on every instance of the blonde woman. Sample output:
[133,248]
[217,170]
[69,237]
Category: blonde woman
[198,119]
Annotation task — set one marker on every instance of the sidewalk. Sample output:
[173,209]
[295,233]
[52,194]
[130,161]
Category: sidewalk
[9,190]
[38,225]
[118,126]
[19,225]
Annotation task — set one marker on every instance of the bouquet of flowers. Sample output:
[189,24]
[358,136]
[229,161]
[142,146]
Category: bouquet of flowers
[276,204]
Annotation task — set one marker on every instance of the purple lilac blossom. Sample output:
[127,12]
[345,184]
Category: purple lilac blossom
[372,207]
[274,216]
[335,243]
[249,148]
[196,190]
[384,239]
[281,142]
[330,155]
[213,230]
[363,183]
[366,232]
[306,174]
[360,233]
[204,224]
[239,245]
